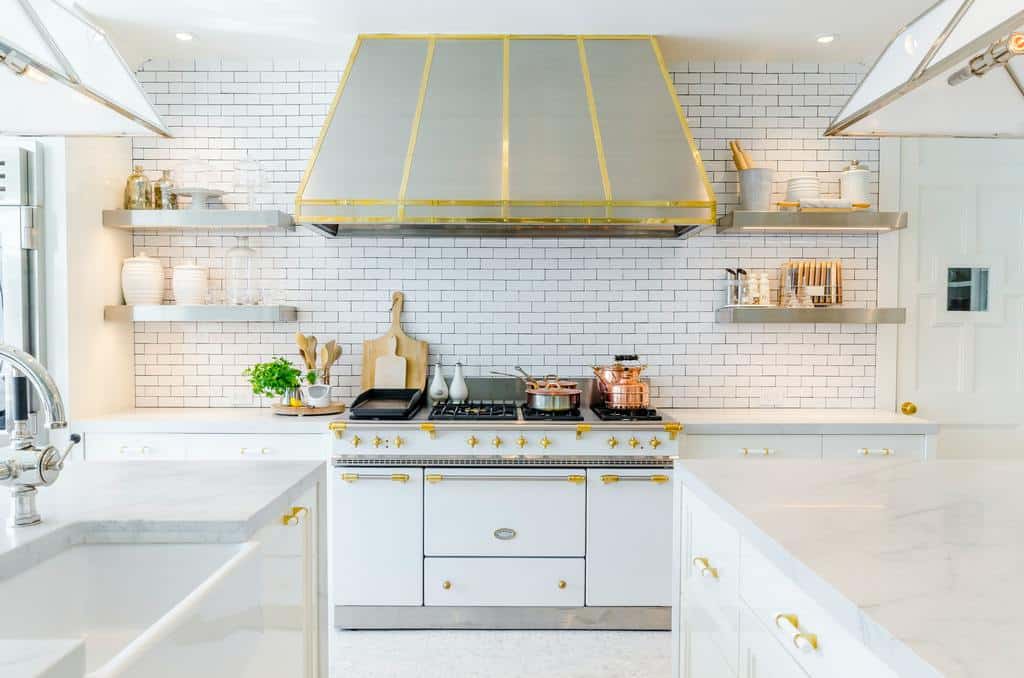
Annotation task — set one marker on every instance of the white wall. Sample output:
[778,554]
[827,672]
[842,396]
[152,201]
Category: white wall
[548,305]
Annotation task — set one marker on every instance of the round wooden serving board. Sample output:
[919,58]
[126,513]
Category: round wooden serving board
[333,408]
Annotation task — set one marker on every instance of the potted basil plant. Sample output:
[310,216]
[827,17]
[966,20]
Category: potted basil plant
[277,378]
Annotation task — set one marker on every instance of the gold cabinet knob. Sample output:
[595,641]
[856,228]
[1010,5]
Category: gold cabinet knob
[908,408]
[704,567]
[613,442]
[496,442]
[544,442]
[399,441]
[521,442]
[377,442]
[654,442]
[242,451]
[805,641]
[356,440]
[264,450]
[446,585]
[633,442]
[472,441]
[562,583]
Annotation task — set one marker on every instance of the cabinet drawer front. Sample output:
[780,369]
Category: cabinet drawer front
[377,530]
[503,581]
[128,446]
[873,446]
[267,447]
[752,446]
[629,537]
[769,594]
[504,512]
[761,656]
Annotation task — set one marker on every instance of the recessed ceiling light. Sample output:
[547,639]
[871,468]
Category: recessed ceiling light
[826,38]
[184,37]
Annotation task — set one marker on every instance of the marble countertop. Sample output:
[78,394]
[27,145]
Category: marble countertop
[155,501]
[695,421]
[921,561]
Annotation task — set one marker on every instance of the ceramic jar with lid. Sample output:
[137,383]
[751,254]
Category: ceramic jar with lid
[142,280]
[190,283]
[853,183]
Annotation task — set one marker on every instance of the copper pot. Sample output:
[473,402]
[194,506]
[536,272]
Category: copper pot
[621,386]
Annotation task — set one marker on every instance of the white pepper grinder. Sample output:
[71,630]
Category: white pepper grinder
[459,391]
[438,386]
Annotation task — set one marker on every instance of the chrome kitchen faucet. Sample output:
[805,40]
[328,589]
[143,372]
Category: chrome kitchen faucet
[23,465]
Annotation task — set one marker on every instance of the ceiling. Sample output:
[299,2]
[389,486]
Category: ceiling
[757,30]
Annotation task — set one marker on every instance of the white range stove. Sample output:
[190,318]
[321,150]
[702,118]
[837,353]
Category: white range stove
[486,517]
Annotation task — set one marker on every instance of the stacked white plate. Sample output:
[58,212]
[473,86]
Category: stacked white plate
[803,188]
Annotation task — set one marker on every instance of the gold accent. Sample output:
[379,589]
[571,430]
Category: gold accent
[350,477]
[505,115]
[400,477]
[510,36]
[544,442]
[399,441]
[576,479]
[377,441]
[415,131]
[446,585]
[356,440]
[613,442]
[811,639]
[433,477]
[673,429]
[705,567]
[430,430]
[588,221]
[521,442]
[606,183]
[562,583]
[453,202]
[472,441]
[908,408]
[581,429]
[292,517]
[496,442]
[791,618]
[338,428]
[633,442]
[655,442]
[609,478]
[659,479]
[708,191]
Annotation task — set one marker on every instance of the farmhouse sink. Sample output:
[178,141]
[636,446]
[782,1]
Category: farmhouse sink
[143,610]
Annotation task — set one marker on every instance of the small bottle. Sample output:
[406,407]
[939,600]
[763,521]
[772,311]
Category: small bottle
[459,391]
[163,192]
[438,386]
[138,191]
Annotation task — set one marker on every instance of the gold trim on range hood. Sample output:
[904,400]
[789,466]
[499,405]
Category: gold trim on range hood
[605,214]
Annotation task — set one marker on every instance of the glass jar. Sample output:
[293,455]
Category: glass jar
[138,191]
[163,192]
[241,274]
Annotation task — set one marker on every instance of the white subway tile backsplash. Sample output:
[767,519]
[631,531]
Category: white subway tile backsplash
[548,305]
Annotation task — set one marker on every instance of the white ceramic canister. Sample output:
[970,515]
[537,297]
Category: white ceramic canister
[142,280]
[756,188]
[853,183]
[190,284]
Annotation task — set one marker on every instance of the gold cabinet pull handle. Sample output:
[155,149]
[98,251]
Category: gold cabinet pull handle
[609,478]
[705,568]
[505,533]
[787,622]
[577,479]
[433,477]
[400,477]
[657,478]
[882,452]
[805,641]
[292,517]
[396,477]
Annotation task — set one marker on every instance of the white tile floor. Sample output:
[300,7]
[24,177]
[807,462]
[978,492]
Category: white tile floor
[501,654]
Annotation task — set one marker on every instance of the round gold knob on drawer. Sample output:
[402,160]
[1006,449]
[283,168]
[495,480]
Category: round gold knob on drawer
[377,442]
[613,442]
[633,442]
[446,584]
[544,442]
[521,442]
[242,451]
[264,450]
[399,441]
[908,408]
[496,442]
[356,440]
[472,441]
[562,583]
[654,442]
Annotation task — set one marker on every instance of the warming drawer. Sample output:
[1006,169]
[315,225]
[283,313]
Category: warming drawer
[504,512]
[503,581]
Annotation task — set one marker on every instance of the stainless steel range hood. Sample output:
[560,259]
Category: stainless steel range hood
[505,135]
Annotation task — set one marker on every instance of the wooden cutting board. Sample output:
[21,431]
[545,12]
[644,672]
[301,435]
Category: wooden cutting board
[414,351]
[389,369]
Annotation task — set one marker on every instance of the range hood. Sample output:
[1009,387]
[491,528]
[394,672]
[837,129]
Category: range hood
[952,72]
[60,75]
[505,135]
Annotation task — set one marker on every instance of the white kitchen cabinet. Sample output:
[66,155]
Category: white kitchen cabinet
[377,531]
[873,446]
[132,446]
[265,447]
[751,446]
[761,656]
[504,512]
[516,582]
[629,537]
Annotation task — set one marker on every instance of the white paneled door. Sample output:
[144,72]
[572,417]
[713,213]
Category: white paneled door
[962,281]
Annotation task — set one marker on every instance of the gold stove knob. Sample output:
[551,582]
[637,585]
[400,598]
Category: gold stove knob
[399,441]
[544,442]
[472,441]
[356,440]
[613,442]
[654,442]
[377,441]
[496,442]
[521,442]
[633,442]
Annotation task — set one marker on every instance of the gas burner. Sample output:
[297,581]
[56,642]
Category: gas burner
[473,411]
[609,414]
[530,414]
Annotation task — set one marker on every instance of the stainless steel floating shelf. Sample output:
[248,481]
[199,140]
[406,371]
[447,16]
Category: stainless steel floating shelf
[828,314]
[199,313]
[152,220]
[498,229]
[793,222]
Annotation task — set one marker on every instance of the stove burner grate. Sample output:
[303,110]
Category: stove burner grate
[473,411]
[530,414]
[609,414]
